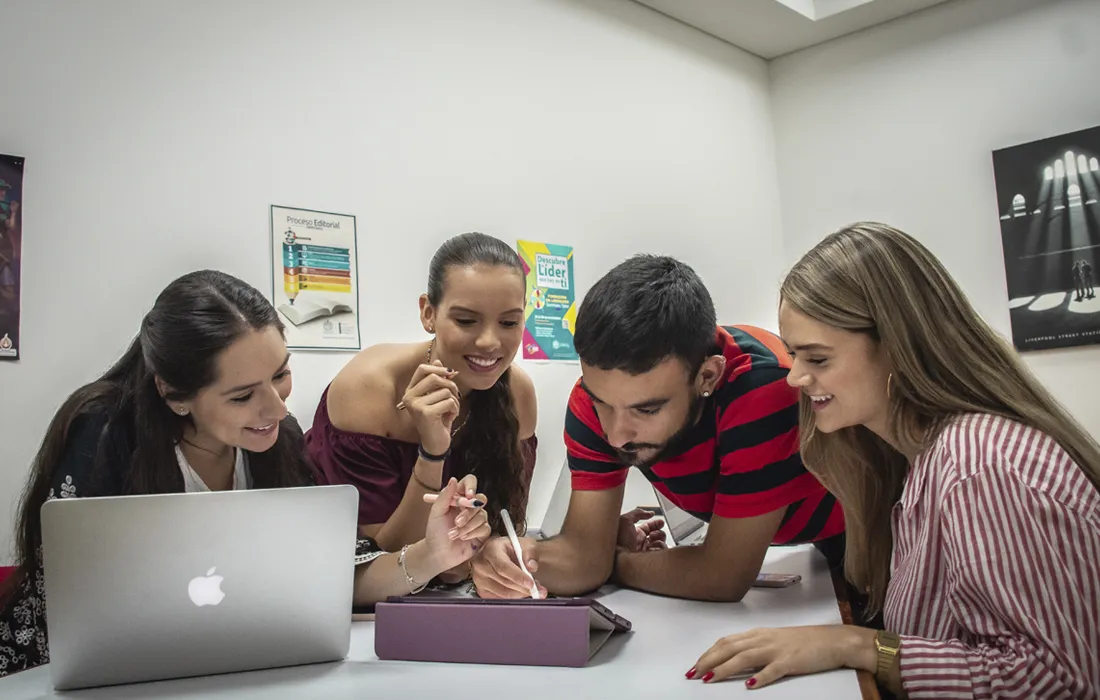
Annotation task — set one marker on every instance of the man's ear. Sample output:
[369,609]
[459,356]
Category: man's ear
[710,374]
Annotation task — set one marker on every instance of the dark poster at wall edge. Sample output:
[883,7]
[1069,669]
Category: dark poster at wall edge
[11,254]
[1047,198]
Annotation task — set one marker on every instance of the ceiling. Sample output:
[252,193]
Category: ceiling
[771,28]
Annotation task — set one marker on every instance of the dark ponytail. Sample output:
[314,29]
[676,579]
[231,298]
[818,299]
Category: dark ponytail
[490,449]
[488,443]
[193,321]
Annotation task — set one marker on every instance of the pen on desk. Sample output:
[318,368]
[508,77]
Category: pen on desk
[511,529]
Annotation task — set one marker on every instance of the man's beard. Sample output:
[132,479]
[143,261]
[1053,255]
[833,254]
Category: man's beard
[628,454]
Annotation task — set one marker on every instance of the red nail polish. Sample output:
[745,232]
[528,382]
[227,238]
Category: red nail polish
[710,674]
[750,682]
[690,674]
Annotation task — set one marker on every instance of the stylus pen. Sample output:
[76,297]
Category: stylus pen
[507,519]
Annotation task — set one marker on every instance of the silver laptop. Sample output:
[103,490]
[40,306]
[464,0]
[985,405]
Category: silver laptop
[683,528]
[554,518]
[142,588]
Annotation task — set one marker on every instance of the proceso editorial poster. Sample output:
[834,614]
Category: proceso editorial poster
[551,312]
[315,278]
[11,246]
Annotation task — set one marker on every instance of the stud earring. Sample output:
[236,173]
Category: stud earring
[182,411]
[706,394]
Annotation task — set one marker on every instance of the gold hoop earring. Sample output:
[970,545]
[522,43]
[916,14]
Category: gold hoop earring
[889,379]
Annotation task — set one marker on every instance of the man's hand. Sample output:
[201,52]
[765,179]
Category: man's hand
[722,568]
[639,531]
[497,574]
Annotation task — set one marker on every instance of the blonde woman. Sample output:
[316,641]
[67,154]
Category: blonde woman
[972,499]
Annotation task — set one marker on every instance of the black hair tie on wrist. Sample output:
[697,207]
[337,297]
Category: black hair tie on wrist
[429,457]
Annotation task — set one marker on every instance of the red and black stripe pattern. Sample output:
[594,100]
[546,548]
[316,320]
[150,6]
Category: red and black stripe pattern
[740,460]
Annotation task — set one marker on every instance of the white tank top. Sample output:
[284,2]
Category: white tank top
[193,483]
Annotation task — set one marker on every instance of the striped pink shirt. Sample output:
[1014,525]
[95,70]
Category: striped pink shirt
[995,577]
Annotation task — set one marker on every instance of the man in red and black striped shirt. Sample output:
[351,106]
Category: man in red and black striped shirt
[706,414]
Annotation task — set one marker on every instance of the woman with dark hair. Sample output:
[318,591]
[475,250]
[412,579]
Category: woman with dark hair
[197,403]
[399,420]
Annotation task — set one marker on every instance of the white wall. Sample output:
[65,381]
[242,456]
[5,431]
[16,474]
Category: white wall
[897,124]
[157,134]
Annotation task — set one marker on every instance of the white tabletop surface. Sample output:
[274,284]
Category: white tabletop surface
[650,662]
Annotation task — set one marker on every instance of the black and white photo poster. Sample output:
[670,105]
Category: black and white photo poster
[1047,194]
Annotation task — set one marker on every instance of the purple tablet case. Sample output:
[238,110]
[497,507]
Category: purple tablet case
[553,632]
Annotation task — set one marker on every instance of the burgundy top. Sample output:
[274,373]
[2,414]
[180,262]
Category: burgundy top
[379,467]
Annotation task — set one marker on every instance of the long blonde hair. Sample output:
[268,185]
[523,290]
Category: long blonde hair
[945,361]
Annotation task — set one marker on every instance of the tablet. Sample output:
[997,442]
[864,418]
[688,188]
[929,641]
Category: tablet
[620,623]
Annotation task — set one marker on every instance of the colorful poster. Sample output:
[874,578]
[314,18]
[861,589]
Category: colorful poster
[315,278]
[11,246]
[551,301]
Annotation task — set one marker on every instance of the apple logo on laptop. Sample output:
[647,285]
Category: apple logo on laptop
[206,590]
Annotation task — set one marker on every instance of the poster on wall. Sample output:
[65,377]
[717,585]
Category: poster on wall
[11,255]
[551,301]
[1047,194]
[315,278]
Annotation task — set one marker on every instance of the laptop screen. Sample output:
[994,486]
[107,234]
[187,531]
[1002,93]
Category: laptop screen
[681,524]
[559,503]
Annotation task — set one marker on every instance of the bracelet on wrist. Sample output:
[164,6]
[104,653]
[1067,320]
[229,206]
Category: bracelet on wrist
[414,586]
[426,487]
[429,457]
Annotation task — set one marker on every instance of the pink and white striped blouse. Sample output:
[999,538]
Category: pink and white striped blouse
[995,577]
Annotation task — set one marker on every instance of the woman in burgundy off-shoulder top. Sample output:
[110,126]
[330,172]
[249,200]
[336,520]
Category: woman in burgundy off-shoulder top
[399,420]
[381,467]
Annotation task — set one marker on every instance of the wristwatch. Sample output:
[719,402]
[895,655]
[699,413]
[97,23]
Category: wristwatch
[888,645]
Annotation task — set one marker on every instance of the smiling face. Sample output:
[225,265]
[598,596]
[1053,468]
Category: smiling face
[843,373]
[646,416]
[244,405]
[478,323]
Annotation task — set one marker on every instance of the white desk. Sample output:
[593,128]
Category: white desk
[650,662]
